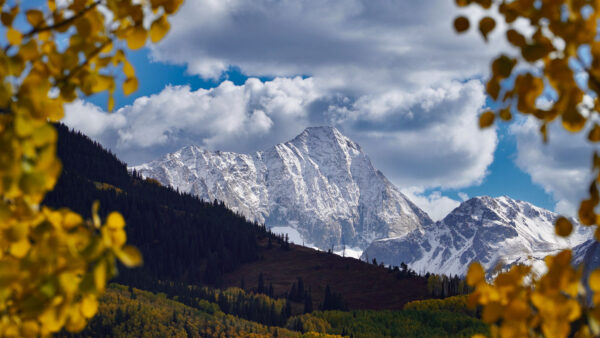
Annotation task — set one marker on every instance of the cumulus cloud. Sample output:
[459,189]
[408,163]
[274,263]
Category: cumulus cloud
[92,120]
[392,75]
[561,167]
[428,138]
[236,118]
[344,44]
[434,204]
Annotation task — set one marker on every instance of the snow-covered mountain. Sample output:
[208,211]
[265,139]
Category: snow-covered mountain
[489,230]
[320,184]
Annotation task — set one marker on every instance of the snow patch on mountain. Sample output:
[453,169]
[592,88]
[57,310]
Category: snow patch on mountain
[493,231]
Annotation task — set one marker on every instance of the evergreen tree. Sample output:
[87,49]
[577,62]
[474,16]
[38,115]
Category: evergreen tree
[261,283]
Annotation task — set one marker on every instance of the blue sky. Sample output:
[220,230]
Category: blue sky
[503,177]
[393,76]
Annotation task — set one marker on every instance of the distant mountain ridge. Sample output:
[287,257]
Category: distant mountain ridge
[489,230]
[320,183]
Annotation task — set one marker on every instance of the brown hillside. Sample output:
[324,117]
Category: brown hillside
[362,285]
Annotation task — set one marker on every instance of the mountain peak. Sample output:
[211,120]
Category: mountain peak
[320,184]
[320,132]
[325,134]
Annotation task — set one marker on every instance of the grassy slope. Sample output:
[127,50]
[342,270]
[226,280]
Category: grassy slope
[362,285]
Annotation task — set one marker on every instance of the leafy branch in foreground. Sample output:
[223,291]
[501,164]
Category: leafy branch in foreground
[53,263]
[555,54]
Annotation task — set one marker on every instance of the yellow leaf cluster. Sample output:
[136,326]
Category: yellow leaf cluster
[560,45]
[518,304]
[550,52]
[53,263]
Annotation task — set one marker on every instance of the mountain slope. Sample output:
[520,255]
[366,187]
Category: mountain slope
[186,241]
[321,184]
[489,230]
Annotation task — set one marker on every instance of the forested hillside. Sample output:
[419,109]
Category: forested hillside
[181,238]
[209,271]
[186,240]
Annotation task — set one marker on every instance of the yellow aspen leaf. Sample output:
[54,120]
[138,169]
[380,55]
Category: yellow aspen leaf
[130,85]
[475,275]
[100,276]
[20,248]
[492,312]
[159,29]
[111,102]
[95,217]
[29,51]
[502,66]
[563,227]
[171,6]
[89,306]
[136,38]
[486,119]
[7,18]
[572,120]
[51,320]
[505,114]
[35,17]
[461,24]
[515,38]
[52,5]
[594,280]
[44,135]
[129,256]
[84,27]
[517,310]
[462,3]
[533,52]
[115,221]
[117,238]
[107,48]
[13,36]
[30,328]
[484,3]
[54,110]
[486,25]
[128,69]
[493,88]
[16,232]
[594,134]
[102,83]
[71,220]
[23,126]
[76,322]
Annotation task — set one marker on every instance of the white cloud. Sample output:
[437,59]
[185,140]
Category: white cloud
[391,74]
[238,118]
[463,196]
[434,204]
[91,119]
[561,167]
[427,138]
[360,45]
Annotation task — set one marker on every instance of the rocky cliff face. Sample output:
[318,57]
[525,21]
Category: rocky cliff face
[489,230]
[321,184]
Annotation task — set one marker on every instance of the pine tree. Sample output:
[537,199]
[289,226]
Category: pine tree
[261,284]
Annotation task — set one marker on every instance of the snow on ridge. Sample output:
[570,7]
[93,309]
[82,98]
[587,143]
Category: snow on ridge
[320,180]
[489,230]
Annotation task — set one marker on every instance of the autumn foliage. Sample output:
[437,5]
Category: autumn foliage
[555,53]
[54,264]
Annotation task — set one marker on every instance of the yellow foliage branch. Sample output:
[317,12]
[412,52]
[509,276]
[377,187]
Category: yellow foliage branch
[551,52]
[54,264]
